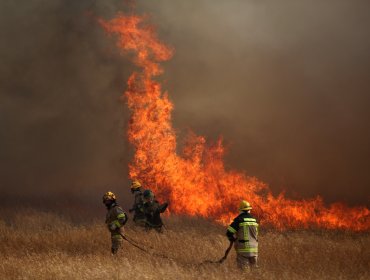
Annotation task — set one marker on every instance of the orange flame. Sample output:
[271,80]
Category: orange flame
[195,181]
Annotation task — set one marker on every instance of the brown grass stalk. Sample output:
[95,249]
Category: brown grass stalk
[39,245]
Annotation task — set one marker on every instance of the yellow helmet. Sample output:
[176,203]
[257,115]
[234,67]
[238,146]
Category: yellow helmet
[109,196]
[135,185]
[244,205]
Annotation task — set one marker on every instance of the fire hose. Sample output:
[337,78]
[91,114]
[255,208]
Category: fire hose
[224,257]
[134,243]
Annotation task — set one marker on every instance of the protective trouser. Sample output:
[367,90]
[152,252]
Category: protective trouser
[116,242]
[244,262]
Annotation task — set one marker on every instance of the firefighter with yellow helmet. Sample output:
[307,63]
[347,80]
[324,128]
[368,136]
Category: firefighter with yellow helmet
[243,231]
[115,219]
[138,207]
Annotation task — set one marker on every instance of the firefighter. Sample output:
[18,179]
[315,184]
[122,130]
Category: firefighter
[115,220]
[138,207]
[153,210]
[243,231]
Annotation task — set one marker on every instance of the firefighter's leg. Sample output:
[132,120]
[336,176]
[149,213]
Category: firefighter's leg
[116,243]
[253,262]
[242,261]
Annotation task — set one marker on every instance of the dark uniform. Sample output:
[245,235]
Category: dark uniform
[138,208]
[244,232]
[153,210]
[115,220]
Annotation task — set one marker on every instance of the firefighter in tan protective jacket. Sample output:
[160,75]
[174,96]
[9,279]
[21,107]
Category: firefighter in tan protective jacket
[243,231]
[115,220]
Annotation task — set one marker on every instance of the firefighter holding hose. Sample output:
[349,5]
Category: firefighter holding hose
[115,220]
[243,231]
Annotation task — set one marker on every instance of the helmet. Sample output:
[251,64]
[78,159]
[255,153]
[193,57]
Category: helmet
[148,194]
[109,196]
[244,205]
[135,185]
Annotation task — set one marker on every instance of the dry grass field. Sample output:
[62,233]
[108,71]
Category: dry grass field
[41,245]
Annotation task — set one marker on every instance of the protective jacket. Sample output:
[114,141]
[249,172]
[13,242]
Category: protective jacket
[115,219]
[244,231]
[138,206]
[152,210]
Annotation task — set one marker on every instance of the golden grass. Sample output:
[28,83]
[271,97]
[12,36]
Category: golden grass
[39,245]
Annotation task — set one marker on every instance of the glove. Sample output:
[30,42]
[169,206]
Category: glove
[113,226]
[163,207]
[232,239]
[123,221]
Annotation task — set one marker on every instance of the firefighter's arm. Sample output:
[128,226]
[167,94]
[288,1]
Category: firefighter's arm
[231,230]
[230,235]
[163,207]
[121,219]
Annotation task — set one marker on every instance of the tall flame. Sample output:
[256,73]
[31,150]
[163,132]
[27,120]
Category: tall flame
[195,180]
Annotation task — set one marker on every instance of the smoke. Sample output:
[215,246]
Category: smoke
[285,83]
[62,121]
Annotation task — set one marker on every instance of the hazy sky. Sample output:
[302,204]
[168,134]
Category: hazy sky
[285,82]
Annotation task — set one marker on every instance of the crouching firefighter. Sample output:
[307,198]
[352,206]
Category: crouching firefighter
[153,210]
[138,207]
[243,231]
[115,220]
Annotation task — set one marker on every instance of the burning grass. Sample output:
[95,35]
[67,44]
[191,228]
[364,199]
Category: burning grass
[46,246]
[196,178]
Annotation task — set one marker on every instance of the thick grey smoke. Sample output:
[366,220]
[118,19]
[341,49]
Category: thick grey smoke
[285,82]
